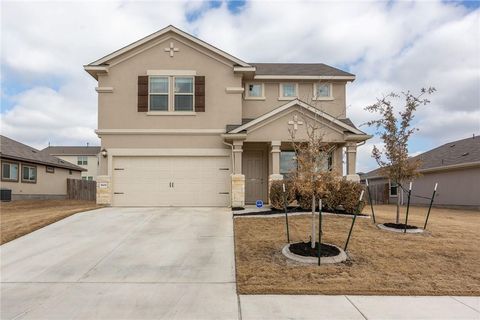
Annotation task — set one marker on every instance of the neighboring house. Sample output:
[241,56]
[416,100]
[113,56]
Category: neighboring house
[31,174]
[455,166]
[183,123]
[85,157]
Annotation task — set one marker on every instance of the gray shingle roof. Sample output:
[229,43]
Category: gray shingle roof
[15,150]
[298,69]
[72,150]
[452,153]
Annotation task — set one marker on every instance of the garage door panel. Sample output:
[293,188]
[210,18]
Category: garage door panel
[146,181]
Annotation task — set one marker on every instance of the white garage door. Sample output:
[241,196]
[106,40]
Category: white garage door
[171,181]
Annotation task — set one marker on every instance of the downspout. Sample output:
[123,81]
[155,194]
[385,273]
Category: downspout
[231,155]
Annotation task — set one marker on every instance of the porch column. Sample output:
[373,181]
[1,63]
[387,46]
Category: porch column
[351,149]
[237,156]
[275,153]
[238,179]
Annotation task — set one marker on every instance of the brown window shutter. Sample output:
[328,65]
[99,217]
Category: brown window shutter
[142,102]
[199,93]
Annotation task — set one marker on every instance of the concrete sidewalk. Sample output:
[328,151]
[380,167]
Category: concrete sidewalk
[306,307]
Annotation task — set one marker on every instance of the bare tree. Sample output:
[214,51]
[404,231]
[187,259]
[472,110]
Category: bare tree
[395,132]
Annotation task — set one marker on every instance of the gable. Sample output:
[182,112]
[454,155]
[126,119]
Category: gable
[305,109]
[278,127]
[159,37]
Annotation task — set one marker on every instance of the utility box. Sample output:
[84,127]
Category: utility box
[5,194]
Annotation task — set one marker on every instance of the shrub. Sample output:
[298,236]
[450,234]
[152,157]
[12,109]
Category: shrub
[333,190]
[350,191]
[325,183]
[276,193]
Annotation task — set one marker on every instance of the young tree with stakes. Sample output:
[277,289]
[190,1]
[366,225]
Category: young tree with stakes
[312,156]
[395,133]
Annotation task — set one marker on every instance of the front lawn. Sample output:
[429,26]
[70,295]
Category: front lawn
[18,218]
[443,261]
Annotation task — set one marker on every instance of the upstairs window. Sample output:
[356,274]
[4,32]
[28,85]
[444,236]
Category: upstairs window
[158,93]
[82,160]
[169,93]
[254,91]
[9,171]
[323,91]
[288,91]
[183,94]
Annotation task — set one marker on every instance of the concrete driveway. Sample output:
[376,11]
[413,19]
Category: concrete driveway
[123,263]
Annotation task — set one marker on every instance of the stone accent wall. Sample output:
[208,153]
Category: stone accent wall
[104,190]
[238,191]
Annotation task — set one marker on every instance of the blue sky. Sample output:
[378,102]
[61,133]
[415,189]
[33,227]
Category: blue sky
[388,45]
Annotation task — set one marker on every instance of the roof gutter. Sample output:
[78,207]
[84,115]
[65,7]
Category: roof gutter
[301,77]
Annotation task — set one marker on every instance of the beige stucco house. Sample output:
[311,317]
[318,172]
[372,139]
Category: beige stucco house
[32,174]
[86,157]
[183,123]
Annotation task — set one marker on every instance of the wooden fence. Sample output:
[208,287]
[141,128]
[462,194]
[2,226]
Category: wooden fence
[379,193]
[81,189]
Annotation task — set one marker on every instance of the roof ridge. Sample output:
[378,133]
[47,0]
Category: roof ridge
[23,144]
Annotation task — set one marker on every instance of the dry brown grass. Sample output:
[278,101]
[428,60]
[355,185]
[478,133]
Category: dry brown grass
[443,261]
[18,218]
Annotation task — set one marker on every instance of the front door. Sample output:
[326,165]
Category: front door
[253,169]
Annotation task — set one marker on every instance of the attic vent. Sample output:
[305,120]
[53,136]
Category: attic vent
[34,151]
[453,145]
[465,154]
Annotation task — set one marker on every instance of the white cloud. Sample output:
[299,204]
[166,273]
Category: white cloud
[388,45]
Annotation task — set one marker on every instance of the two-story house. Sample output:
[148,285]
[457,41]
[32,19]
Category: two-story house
[183,123]
[82,156]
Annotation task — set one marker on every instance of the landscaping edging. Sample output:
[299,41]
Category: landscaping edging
[342,256]
[382,227]
[270,214]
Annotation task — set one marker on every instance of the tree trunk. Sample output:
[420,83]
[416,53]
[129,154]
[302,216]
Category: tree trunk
[398,206]
[313,221]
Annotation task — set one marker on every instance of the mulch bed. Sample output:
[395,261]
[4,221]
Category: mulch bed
[399,225]
[305,249]
[293,210]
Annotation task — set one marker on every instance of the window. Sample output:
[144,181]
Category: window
[183,94]
[29,173]
[90,178]
[84,178]
[50,169]
[288,91]
[323,91]
[82,160]
[324,163]
[288,162]
[158,93]
[254,91]
[393,187]
[169,93]
[9,171]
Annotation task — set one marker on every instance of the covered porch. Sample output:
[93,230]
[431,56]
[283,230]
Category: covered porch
[263,152]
